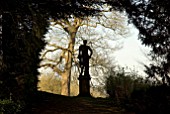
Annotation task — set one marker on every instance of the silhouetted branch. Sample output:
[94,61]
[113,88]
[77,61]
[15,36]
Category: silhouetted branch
[54,67]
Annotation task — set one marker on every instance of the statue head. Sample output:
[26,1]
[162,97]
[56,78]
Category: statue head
[84,42]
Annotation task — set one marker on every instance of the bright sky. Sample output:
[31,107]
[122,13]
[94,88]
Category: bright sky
[133,53]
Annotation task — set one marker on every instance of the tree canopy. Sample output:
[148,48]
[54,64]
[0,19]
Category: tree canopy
[152,18]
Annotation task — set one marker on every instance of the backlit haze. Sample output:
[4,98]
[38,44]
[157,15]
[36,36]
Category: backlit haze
[133,53]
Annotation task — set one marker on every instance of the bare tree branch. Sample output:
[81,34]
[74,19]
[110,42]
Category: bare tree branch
[52,50]
[54,67]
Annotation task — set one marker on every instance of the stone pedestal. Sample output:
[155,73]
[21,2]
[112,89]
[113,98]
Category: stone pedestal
[84,86]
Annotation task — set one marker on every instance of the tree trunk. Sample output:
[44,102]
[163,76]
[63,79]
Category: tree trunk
[66,76]
[65,83]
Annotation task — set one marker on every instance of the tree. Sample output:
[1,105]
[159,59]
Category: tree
[152,19]
[73,26]
[21,44]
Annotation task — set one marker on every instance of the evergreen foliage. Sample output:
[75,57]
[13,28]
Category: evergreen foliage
[21,43]
[152,18]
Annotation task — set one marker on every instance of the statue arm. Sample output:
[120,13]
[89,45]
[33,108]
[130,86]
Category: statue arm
[80,52]
[91,52]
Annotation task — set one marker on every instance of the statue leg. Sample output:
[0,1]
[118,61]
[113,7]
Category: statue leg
[82,69]
[87,68]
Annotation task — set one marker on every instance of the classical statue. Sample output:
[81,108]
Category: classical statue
[85,53]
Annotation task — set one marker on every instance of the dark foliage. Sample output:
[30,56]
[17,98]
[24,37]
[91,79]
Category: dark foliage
[155,100]
[152,18]
[10,107]
[120,85]
[21,44]
[135,95]
[153,21]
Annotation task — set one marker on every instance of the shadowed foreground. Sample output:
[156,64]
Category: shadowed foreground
[49,103]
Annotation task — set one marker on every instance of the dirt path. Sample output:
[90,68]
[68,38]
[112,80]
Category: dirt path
[57,104]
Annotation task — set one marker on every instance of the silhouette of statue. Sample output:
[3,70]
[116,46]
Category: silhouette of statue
[84,57]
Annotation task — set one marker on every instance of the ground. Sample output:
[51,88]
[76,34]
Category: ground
[49,103]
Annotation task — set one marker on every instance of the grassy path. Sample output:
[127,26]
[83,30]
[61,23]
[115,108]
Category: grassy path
[57,104]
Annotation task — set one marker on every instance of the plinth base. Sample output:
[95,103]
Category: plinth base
[84,86]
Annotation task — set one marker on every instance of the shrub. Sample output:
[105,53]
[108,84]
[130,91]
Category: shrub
[120,85]
[154,100]
[10,107]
